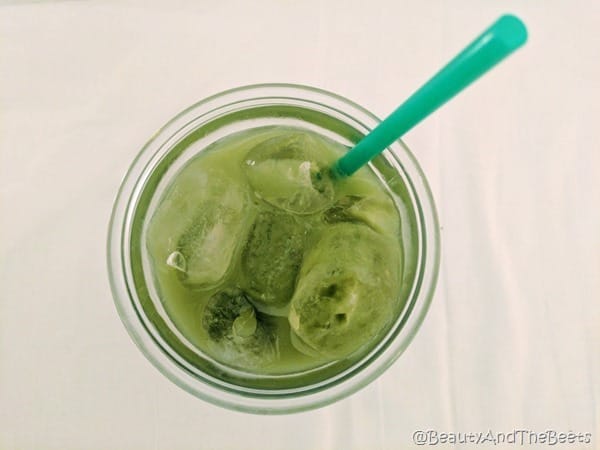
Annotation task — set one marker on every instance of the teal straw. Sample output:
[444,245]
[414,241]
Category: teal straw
[497,42]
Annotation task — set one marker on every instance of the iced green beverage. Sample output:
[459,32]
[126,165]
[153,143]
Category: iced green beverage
[270,265]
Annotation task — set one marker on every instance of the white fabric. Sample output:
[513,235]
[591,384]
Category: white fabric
[512,338]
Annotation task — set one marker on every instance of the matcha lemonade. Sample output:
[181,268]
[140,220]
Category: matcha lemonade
[267,264]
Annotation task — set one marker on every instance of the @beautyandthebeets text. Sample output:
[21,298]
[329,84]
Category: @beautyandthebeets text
[517,437]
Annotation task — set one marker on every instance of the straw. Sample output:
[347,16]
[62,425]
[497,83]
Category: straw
[497,42]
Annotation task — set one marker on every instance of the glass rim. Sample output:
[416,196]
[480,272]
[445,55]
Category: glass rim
[270,403]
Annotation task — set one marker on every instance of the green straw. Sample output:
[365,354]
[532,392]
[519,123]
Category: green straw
[497,42]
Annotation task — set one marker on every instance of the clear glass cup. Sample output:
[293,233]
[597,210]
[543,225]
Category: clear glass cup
[189,133]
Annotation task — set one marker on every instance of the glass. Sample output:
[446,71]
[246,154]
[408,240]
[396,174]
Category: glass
[174,145]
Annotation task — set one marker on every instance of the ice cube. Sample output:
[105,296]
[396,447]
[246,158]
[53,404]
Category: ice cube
[238,334]
[377,212]
[205,250]
[271,258]
[290,172]
[346,291]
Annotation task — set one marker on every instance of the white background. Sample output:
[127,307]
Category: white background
[512,338]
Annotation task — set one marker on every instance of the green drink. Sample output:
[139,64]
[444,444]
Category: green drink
[252,279]
[269,265]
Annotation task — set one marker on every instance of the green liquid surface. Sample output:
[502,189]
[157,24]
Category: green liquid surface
[269,265]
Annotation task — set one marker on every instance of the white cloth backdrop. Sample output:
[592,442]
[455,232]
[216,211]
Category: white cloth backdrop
[512,338]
